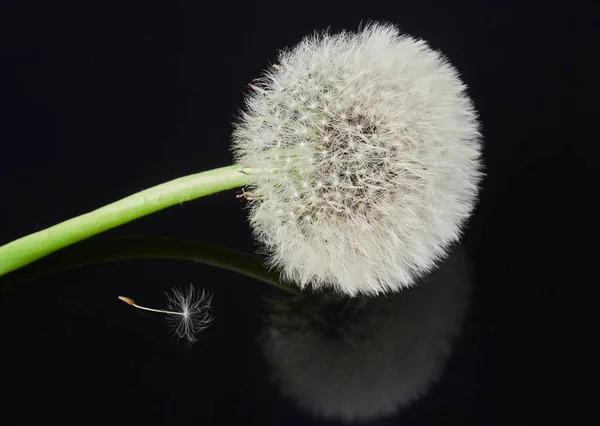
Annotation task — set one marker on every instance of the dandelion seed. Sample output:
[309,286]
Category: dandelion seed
[188,312]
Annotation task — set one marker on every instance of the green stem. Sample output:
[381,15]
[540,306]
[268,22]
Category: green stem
[34,246]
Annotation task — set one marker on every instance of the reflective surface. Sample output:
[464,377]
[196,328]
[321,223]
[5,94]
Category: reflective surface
[102,99]
[362,359]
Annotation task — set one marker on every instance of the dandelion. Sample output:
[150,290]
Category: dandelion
[188,312]
[365,151]
[361,156]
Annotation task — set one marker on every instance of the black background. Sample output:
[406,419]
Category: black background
[101,99]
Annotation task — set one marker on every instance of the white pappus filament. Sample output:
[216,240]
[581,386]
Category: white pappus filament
[188,311]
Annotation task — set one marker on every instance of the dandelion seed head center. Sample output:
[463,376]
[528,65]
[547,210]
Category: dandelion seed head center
[348,166]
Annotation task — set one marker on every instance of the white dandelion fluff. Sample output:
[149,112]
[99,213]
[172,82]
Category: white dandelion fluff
[386,354]
[363,152]
[191,312]
[188,311]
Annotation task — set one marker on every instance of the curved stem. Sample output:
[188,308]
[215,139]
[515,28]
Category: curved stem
[108,249]
[34,246]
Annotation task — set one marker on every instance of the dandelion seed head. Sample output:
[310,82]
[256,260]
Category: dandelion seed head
[379,126]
